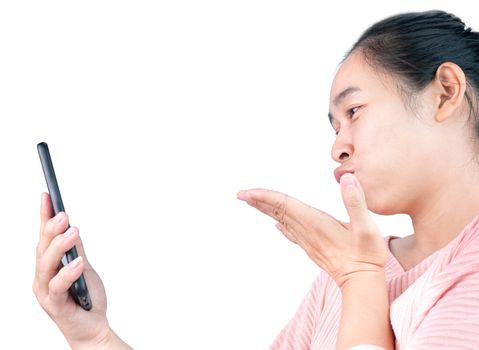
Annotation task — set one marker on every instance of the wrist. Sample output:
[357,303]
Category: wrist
[358,279]
[108,340]
[365,310]
[114,342]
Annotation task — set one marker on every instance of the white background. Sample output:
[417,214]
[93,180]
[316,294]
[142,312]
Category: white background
[157,114]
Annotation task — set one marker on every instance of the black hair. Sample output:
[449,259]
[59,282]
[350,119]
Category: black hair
[413,45]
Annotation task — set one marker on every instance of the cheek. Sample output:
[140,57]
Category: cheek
[381,140]
[386,157]
[382,166]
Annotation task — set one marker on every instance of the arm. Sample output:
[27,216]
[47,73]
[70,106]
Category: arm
[365,313]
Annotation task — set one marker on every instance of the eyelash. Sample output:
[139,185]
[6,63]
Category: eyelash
[350,113]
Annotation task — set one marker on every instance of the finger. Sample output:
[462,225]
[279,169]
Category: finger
[279,213]
[296,239]
[286,209]
[81,251]
[355,203]
[47,264]
[284,223]
[53,227]
[59,285]
[46,210]
[289,235]
[272,203]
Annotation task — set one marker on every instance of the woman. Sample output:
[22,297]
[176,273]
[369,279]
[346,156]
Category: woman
[404,107]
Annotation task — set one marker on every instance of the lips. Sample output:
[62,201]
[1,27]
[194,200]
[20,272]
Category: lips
[338,172]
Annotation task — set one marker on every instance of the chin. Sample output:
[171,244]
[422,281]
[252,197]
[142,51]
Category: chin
[381,204]
[384,210]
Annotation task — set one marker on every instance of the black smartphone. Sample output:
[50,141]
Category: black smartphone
[78,290]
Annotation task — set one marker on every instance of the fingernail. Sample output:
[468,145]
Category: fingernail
[68,232]
[74,264]
[242,195]
[58,218]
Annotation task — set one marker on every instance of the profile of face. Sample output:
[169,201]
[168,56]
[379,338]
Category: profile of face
[398,158]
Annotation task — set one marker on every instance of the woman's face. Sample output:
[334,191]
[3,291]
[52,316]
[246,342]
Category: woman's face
[390,150]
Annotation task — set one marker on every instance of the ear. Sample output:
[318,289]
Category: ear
[450,88]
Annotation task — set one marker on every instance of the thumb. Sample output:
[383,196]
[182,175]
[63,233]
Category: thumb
[355,202]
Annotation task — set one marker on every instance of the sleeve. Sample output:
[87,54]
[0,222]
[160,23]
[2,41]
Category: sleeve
[453,322]
[298,332]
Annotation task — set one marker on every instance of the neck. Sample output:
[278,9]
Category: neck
[444,213]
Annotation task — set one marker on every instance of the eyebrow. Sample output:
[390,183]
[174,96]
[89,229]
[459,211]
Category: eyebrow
[340,98]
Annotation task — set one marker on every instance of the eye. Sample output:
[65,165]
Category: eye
[352,111]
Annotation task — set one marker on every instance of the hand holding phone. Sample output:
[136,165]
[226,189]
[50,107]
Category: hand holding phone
[78,290]
[62,293]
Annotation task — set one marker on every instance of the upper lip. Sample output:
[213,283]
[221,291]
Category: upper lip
[338,172]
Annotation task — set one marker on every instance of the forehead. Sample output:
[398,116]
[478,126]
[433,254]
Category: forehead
[354,72]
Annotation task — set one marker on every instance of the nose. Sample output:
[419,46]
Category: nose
[342,149]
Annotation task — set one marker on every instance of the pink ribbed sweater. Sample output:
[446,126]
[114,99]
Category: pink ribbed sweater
[434,305]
